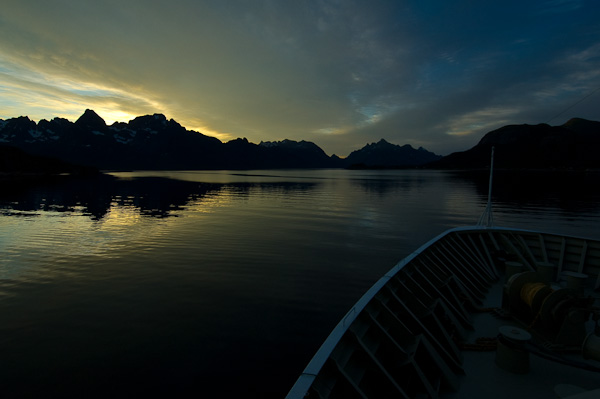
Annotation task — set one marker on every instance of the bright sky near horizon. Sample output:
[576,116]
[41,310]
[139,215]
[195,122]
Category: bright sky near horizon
[433,73]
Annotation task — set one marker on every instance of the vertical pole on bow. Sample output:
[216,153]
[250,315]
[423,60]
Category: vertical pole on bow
[487,218]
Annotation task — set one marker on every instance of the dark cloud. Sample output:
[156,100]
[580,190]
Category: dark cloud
[339,73]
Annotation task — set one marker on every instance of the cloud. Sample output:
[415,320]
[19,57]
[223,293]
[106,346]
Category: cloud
[560,6]
[337,73]
[44,94]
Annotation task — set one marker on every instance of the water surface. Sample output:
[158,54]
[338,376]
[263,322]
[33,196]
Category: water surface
[222,283]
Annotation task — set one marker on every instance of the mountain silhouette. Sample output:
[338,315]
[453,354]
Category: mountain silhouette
[154,142]
[576,144]
[90,120]
[385,155]
[15,162]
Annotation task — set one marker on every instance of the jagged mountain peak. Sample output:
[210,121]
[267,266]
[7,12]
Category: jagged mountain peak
[287,143]
[384,144]
[386,154]
[155,122]
[21,123]
[90,119]
[153,142]
[20,120]
[161,118]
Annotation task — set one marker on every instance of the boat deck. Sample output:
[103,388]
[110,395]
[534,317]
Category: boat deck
[430,328]
[545,379]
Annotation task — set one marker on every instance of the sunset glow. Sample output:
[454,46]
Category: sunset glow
[339,75]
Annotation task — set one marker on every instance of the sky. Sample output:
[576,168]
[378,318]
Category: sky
[340,73]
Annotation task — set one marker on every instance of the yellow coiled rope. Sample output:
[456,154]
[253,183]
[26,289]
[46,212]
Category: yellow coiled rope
[529,291]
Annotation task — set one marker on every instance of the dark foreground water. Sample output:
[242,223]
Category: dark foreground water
[222,284]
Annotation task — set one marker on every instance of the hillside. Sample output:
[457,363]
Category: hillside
[576,144]
[16,163]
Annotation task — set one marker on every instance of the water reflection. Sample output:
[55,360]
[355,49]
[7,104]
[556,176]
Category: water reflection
[569,191]
[167,195]
[157,197]
[151,196]
[247,282]
[385,184]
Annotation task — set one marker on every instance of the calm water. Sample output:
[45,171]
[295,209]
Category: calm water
[222,283]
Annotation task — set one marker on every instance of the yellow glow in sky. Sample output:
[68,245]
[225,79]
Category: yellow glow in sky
[338,75]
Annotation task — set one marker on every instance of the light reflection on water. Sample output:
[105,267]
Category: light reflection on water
[209,281]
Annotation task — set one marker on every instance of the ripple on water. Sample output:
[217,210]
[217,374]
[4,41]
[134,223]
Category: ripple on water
[245,281]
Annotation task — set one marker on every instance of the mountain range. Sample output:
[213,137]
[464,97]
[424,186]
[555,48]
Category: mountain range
[153,142]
